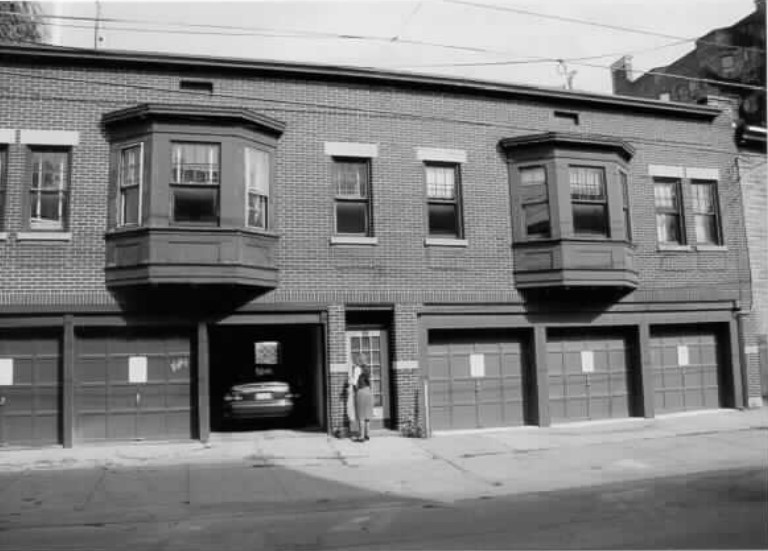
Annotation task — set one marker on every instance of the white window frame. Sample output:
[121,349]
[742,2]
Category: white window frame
[253,190]
[120,187]
[35,199]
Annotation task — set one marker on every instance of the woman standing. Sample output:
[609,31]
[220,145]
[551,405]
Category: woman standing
[363,402]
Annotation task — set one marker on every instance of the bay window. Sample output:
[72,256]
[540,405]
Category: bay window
[48,189]
[130,176]
[535,201]
[195,183]
[589,201]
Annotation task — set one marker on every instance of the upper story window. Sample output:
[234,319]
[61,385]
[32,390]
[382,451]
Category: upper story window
[130,176]
[195,175]
[706,212]
[624,183]
[257,174]
[589,201]
[669,211]
[535,201]
[351,182]
[48,189]
[3,164]
[444,200]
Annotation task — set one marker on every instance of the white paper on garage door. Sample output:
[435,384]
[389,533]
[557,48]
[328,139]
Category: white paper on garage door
[6,371]
[137,369]
[682,355]
[477,365]
[587,361]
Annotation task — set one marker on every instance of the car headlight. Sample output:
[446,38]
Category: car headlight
[232,397]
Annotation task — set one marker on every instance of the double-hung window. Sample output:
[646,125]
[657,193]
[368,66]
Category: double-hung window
[444,200]
[705,212]
[351,180]
[624,183]
[130,181]
[3,163]
[589,200]
[48,189]
[257,169]
[669,211]
[535,201]
[195,177]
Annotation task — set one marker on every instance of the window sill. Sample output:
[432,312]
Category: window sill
[676,248]
[443,242]
[353,240]
[43,236]
[711,248]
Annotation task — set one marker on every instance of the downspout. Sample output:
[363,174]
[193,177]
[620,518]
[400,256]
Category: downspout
[741,313]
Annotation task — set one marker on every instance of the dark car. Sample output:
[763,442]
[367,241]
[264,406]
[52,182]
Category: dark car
[260,400]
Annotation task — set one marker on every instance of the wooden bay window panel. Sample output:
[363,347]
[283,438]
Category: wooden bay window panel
[589,200]
[48,190]
[257,176]
[669,223]
[443,200]
[535,201]
[706,212]
[352,190]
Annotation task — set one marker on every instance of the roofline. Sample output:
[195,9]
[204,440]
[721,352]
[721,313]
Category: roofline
[569,138]
[47,53]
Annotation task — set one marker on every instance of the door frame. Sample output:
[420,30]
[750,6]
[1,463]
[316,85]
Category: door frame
[383,414]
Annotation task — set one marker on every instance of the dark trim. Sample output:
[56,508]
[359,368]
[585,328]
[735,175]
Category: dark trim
[202,364]
[647,374]
[210,114]
[559,139]
[540,369]
[68,385]
[115,59]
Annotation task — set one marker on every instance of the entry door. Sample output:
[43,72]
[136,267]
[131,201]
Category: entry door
[373,344]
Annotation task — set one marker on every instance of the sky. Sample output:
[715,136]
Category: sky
[513,41]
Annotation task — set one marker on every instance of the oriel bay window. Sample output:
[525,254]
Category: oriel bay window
[130,176]
[444,200]
[705,212]
[351,181]
[48,189]
[589,200]
[669,217]
[195,183]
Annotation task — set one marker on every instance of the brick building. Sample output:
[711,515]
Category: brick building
[502,254]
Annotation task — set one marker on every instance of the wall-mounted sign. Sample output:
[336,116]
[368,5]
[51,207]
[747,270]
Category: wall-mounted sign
[587,361]
[266,353]
[682,355]
[6,371]
[477,365]
[137,369]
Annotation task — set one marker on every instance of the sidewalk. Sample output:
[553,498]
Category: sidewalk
[286,471]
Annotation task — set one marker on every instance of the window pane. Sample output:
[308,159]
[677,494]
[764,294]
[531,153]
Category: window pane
[703,198]
[195,205]
[130,166]
[625,202]
[257,210]
[352,218]
[533,176]
[665,195]
[195,163]
[130,205]
[706,229]
[441,182]
[668,228]
[587,183]
[351,179]
[49,169]
[537,220]
[589,219]
[257,171]
[443,220]
[47,209]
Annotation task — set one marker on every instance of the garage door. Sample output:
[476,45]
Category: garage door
[476,380]
[133,386]
[588,376]
[687,369]
[30,389]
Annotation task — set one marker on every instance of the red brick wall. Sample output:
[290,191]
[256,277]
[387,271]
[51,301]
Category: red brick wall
[400,269]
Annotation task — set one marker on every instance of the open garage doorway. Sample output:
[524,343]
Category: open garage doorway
[266,377]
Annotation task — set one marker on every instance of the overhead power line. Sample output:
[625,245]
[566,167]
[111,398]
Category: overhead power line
[309,107]
[564,19]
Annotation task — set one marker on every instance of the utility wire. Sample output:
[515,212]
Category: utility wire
[531,60]
[592,23]
[310,107]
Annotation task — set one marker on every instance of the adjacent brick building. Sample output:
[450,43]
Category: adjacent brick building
[501,254]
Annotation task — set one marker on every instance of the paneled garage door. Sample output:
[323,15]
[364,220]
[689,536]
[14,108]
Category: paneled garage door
[588,376]
[133,386]
[687,369]
[30,388]
[476,379]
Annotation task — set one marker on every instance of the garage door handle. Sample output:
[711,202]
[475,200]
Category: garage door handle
[138,398]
